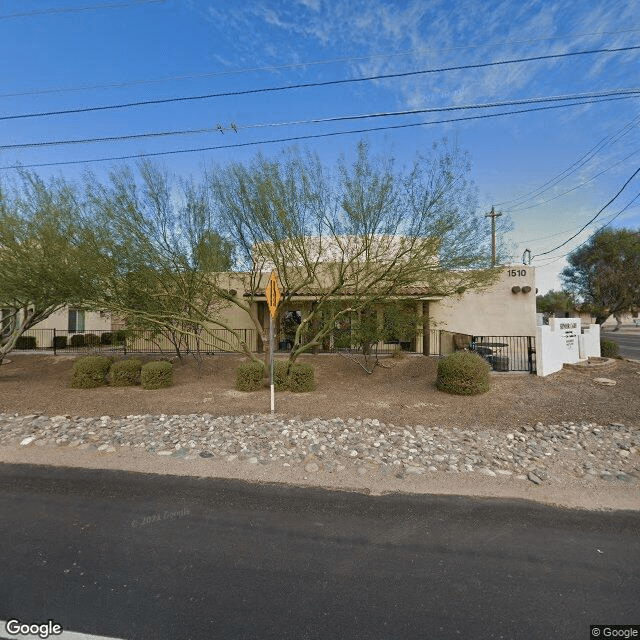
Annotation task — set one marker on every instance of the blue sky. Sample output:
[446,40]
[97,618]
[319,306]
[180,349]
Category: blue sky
[74,54]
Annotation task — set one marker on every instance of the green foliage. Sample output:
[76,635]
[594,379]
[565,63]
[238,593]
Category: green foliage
[125,373]
[398,353]
[605,272]
[26,342]
[77,340]
[280,382]
[59,342]
[106,338]
[556,302]
[47,254]
[608,348]
[91,340]
[89,372]
[156,375]
[364,233]
[162,254]
[249,376]
[463,373]
[301,377]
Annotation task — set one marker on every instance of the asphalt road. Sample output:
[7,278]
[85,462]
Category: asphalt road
[137,556]
[629,342]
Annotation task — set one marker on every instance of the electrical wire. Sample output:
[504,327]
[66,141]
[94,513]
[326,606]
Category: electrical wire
[297,65]
[580,162]
[564,193]
[305,137]
[90,7]
[234,127]
[624,186]
[307,85]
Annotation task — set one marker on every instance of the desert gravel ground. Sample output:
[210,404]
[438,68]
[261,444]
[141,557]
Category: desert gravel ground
[402,391]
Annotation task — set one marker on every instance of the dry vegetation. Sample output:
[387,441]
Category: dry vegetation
[401,392]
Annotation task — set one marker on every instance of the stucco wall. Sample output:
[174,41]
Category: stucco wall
[496,311]
[59,321]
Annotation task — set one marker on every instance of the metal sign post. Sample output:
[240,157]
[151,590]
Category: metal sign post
[272,294]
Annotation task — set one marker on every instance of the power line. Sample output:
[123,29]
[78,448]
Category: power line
[310,63]
[89,7]
[306,85]
[635,173]
[564,193]
[564,255]
[608,95]
[581,161]
[305,137]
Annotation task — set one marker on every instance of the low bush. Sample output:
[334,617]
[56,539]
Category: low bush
[608,348]
[156,375]
[301,377]
[119,336]
[59,342]
[89,372]
[280,382]
[125,373]
[91,339]
[463,373]
[77,340]
[106,338]
[249,376]
[26,342]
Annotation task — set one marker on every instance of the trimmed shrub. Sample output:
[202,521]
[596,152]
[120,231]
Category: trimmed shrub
[59,342]
[119,336]
[26,342]
[608,348]
[77,340]
[91,340]
[156,375]
[106,338]
[249,376]
[301,377]
[125,373]
[463,373]
[280,382]
[89,372]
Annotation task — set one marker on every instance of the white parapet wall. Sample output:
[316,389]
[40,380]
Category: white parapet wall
[589,341]
[562,341]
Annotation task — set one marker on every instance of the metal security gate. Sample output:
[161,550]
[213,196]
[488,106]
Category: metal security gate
[507,353]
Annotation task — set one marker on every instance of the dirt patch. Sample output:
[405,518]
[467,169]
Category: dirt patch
[401,392]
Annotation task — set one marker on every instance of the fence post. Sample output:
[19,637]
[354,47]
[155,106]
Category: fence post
[54,341]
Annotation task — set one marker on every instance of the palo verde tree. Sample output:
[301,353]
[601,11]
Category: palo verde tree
[46,256]
[354,238]
[159,254]
[605,273]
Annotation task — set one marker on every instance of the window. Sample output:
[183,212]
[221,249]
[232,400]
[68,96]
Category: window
[76,320]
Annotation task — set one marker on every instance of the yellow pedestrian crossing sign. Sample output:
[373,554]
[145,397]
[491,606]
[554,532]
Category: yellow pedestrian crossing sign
[273,294]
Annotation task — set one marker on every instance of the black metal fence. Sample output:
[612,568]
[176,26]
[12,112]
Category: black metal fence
[503,353]
[134,341]
[507,353]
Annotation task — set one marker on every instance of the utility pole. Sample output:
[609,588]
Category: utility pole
[493,215]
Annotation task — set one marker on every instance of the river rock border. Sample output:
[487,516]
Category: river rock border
[538,454]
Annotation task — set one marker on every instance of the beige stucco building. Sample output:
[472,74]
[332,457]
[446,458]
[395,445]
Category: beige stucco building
[506,308]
